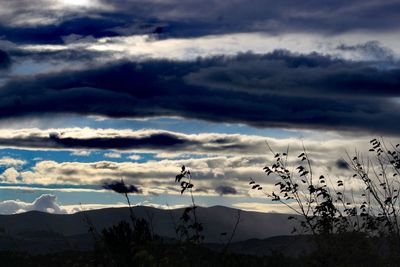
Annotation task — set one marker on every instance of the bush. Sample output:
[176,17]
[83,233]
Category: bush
[343,227]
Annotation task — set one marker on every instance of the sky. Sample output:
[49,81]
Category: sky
[95,91]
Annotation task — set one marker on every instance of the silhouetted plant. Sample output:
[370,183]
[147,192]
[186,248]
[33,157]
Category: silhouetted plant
[232,235]
[380,209]
[122,188]
[314,202]
[191,229]
[330,212]
[127,244]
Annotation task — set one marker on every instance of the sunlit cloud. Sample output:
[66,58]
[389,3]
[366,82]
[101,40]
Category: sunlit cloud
[141,47]
[44,203]
[112,155]
[81,153]
[168,144]
[8,161]
[265,207]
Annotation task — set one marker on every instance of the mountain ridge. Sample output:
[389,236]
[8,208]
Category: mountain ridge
[216,219]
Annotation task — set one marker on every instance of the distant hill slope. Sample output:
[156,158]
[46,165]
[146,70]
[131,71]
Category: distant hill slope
[215,219]
[258,234]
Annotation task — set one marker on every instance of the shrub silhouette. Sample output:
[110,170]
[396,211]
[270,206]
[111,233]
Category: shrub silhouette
[339,222]
[129,245]
[190,228]
[132,244]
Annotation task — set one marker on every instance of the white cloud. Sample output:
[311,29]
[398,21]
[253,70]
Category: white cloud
[23,13]
[265,207]
[10,175]
[44,203]
[157,177]
[134,157]
[83,207]
[81,153]
[112,155]
[32,189]
[8,161]
[90,206]
[48,203]
[145,46]
[216,159]
[324,144]
[79,3]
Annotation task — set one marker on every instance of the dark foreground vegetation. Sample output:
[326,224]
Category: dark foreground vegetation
[341,226]
[169,256]
[348,252]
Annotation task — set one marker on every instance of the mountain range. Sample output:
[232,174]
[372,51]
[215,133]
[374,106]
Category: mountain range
[40,232]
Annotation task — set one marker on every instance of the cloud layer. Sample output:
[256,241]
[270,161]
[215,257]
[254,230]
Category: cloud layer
[25,22]
[278,89]
[161,142]
[214,175]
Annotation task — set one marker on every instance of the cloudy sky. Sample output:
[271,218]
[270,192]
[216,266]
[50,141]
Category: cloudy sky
[93,91]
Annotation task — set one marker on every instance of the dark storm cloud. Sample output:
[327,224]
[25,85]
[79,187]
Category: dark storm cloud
[284,73]
[342,164]
[195,18]
[49,22]
[225,190]
[52,34]
[156,140]
[67,57]
[149,140]
[279,89]
[104,26]
[5,61]
[370,50]
[55,141]
[215,16]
